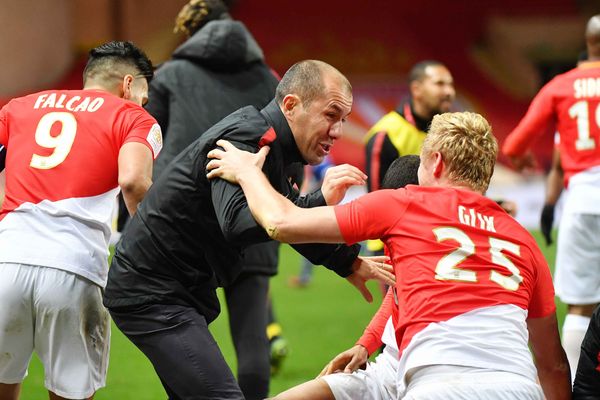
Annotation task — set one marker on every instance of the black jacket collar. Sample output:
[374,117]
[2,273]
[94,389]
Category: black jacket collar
[406,107]
[285,138]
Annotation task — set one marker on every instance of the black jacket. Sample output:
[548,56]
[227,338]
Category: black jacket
[187,235]
[217,71]
[587,378]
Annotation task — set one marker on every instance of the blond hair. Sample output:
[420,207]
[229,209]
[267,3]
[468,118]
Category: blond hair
[467,145]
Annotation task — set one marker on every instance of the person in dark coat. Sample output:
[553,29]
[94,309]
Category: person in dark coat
[217,70]
[188,235]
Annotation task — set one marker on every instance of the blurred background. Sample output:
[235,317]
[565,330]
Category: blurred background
[500,53]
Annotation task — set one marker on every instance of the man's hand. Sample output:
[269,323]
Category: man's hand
[522,162]
[347,362]
[338,179]
[231,162]
[546,222]
[367,268]
[509,206]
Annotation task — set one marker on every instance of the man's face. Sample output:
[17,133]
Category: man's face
[138,92]
[435,92]
[317,125]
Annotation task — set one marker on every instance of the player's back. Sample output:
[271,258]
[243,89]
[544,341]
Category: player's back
[574,98]
[468,277]
[62,176]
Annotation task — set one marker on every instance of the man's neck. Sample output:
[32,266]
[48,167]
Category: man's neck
[421,112]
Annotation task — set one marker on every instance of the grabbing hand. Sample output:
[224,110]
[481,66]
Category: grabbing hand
[347,362]
[524,161]
[546,222]
[338,179]
[509,206]
[367,268]
[231,162]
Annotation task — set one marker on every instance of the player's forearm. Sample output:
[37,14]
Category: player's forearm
[283,220]
[550,358]
[554,186]
[555,382]
[268,207]
[134,191]
[371,338]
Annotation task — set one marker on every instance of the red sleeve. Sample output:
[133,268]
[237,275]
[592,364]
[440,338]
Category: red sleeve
[139,126]
[3,127]
[538,120]
[371,338]
[367,217]
[542,299]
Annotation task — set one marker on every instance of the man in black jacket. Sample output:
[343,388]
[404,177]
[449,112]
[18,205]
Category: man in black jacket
[186,238]
[587,378]
[217,70]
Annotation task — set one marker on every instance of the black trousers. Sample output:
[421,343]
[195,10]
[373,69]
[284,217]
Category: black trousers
[183,352]
[247,305]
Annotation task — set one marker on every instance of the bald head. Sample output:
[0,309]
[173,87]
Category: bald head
[592,37]
[307,79]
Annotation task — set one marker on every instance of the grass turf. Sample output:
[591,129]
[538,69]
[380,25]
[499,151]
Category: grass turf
[318,321]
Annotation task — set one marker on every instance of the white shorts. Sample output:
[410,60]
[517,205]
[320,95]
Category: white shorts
[59,315]
[577,275]
[449,382]
[377,382]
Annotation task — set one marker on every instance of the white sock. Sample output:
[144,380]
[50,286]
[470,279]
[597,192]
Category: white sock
[573,332]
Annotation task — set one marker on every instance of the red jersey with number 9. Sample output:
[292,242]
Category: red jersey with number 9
[467,275]
[569,103]
[62,175]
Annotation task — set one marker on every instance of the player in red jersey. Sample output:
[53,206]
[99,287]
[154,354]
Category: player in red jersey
[471,283]
[68,153]
[570,103]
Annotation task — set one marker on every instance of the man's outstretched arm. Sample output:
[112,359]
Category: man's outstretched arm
[282,220]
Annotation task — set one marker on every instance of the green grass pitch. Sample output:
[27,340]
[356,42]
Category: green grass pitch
[318,321]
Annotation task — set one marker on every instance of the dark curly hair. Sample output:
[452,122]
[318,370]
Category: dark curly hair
[196,13]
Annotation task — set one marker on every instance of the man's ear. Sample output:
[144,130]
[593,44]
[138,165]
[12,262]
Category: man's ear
[415,88]
[290,103]
[438,164]
[125,89]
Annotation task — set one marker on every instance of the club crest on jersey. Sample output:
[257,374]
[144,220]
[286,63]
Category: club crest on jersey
[154,138]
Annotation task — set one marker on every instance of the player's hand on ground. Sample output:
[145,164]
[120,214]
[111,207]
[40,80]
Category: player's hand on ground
[546,222]
[230,162]
[371,268]
[338,180]
[347,361]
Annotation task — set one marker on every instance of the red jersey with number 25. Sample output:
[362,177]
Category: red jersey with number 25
[467,276]
[569,103]
[62,176]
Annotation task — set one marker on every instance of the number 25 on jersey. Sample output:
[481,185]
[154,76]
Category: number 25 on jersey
[448,266]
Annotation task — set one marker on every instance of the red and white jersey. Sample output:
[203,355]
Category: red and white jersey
[62,176]
[570,104]
[467,276]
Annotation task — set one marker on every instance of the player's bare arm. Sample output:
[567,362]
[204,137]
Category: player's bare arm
[550,358]
[135,173]
[282,219]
